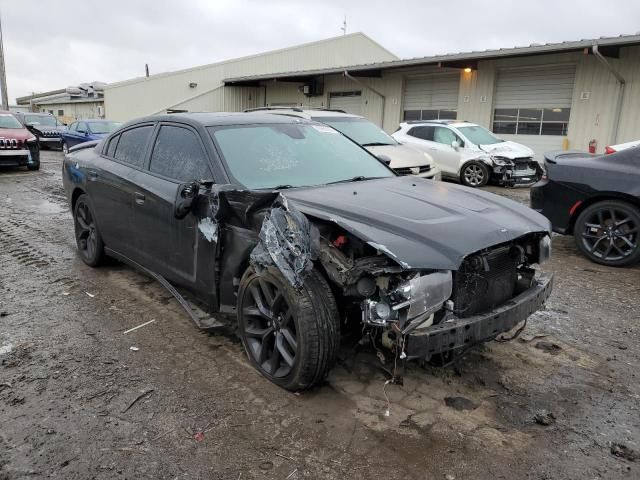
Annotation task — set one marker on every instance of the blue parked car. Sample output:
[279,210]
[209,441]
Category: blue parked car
[86,131]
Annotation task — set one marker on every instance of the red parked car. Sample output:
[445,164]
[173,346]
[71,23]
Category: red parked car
[18,146]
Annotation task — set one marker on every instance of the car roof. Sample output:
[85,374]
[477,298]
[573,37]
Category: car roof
[94,120]
[452,123]
[213,119]
[303,112]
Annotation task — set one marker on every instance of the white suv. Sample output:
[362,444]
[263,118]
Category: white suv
[403,159]
[471,153]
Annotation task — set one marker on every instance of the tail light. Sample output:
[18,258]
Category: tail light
[609,150]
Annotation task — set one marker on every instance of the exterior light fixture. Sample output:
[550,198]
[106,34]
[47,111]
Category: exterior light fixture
[193,85]
[467,70]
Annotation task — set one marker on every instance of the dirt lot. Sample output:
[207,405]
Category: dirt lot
[78,402]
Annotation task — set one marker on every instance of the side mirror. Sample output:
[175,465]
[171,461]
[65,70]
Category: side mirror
[455,144]
[384,159]
[86,134]
[187,193]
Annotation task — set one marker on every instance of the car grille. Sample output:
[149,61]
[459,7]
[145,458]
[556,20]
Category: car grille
[412,170]
[50,133]
[10,143]
[484,281]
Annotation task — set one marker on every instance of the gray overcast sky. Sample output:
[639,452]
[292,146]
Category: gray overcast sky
[52,44]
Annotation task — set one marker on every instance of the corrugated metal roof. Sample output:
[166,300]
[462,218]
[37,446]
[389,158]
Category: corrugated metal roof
[533,49]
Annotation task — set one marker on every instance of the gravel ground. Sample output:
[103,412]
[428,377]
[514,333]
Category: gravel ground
[80,399]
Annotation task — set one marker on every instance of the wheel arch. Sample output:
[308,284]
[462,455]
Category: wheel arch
[600,197]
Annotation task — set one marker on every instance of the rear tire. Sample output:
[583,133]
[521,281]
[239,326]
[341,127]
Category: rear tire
[291,336]
[474,175]
[88,238]
[608,233]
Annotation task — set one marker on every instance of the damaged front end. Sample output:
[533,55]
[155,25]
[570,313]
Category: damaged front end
[515,171]
[412,313]
[419,314]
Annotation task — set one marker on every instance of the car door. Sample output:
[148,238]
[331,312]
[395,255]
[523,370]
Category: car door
[68,136]
[423,137]
[111,185]
[170,246]
[441,144]
[82,133]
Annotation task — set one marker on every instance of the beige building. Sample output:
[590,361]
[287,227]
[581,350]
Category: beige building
[547,97]
[68,104]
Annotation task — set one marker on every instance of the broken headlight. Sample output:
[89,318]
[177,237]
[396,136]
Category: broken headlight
[501,161]
[417,297]
[424,294]
[544,249]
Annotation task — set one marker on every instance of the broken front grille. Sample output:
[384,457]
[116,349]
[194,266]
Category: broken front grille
[412,170]
[485,281]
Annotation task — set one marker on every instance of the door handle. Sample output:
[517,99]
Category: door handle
[139,198]
[93,175]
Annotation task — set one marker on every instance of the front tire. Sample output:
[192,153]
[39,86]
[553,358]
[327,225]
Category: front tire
[290,336]
[474,174]
[88,238]
[608,233]
[65,148]
[34,167]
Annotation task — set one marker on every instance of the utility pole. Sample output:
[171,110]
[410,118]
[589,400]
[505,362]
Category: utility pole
[3,74]
[344,26]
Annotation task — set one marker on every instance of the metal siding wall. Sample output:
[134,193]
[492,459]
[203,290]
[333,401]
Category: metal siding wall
[630,119]
[535,87]
[148,95]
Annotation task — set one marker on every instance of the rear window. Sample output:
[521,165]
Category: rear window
[132,145]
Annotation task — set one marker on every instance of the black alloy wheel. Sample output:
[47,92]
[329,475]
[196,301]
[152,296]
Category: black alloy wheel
[608,233]
[291,335]
[270,328]
[88,238]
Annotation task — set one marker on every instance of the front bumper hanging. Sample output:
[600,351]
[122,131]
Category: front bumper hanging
[459,333]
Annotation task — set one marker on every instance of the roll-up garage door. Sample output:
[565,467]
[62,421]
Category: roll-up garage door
[537,87]
[350,102]
[431,97]
[532,106]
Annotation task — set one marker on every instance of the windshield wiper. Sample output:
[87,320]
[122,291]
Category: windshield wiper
[377,144]
[358,178]
[282,187]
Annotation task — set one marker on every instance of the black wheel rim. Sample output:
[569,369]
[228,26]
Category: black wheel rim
[610,234]
[269,327]
[86,235]
[474,175]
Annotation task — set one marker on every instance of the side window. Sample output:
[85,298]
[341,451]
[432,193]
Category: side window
[177,154]
[82,127]
[72,127]
[132,145]
[424,133]
[445,136]
[113,143]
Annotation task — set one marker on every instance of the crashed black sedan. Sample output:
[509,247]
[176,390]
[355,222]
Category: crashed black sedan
[294,233]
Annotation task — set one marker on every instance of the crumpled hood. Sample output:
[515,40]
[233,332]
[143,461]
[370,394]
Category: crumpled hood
[402,155]
[419,223]
[508,150]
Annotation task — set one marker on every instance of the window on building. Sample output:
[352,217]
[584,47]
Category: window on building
[431,114]
[51,112]
[132,145]
[60,113]
[531,121]
[177,154]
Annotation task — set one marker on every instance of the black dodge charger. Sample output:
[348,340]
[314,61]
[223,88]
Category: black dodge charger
[597,199]
[293,233]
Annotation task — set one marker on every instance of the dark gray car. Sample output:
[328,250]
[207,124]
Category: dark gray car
[298,234]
